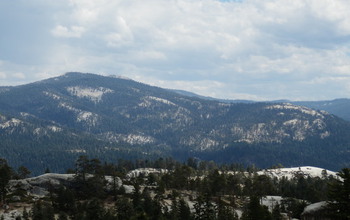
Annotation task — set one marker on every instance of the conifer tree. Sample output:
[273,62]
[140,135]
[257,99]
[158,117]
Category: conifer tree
[124,208]
[339,196]
[5,176]
[25,214]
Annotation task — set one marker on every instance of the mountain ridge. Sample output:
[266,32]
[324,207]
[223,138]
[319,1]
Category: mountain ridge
[338,106]
[122,115]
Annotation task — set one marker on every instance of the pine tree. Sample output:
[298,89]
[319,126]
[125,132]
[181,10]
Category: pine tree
[184,210]
[204,208]
[94,210]
[339,196]
[23,172]
[276,213]
[25,214]
[5,176]
[225,212]
[124,208]
[254,211]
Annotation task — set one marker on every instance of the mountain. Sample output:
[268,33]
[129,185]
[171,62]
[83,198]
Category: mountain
[114,117]
[191,94]
[338,107]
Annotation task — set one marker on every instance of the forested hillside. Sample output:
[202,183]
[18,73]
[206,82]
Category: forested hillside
[47,123]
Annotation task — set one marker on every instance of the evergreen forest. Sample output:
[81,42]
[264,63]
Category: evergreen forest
[192,190]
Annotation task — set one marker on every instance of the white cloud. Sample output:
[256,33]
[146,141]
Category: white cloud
[252,48]
[3,75]
[19,76]
[62,31]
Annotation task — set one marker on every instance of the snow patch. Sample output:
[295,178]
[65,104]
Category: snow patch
[145,172]
[147,101]
[290,173]
[52,95]
[90,118]
[37,131]
[201,143]
[83,116]
[13,122]
[94,94]
[37,186]
[77,151]
[319,124]
[130,138]
[302,109]
[68,107]
[314,207]
[54,128]
[325,134]
[2,118]
[26,115]
[292,122]
[271,201]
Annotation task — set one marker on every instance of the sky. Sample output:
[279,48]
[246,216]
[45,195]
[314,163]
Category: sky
[233,49]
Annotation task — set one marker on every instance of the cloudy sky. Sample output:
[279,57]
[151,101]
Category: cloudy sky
[234,49]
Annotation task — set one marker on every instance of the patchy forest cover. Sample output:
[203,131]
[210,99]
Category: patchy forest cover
[47,124]
[167,189]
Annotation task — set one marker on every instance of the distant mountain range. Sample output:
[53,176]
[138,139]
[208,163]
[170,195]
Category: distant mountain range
[47,124]
[338,107]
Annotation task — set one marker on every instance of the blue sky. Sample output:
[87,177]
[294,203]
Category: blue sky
[248,49]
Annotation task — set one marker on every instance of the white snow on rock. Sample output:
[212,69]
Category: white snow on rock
[53,178]
[292,122]
[201,143]
[37,186]
[138,139]
[325,134]
[43,131]
[2,118]
[52,95]
[314,207]
[13,122]
[54,128]
[118,183]
[144,172]
[68,107]
[271,201]
[296,171]
[130,138]
[83,116]
[147,101]
[76,151]
[88,117]
[94,94]
[25,114]
[129,189]
[302,109]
